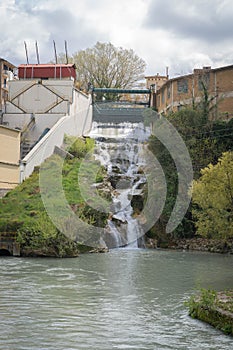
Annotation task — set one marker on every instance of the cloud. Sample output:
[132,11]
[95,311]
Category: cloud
[205,20]
[175,33]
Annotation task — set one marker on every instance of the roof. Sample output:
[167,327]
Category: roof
[4,60]
[223,68]
[156,76]
[47,65]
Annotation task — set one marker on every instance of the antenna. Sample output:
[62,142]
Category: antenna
[26,51]
[67,60]
[55,51]
[37,53]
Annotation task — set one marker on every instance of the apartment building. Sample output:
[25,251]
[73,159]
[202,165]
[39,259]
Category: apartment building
[187,90]
[6,74]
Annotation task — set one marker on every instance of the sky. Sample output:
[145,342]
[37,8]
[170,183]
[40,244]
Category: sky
[178,34]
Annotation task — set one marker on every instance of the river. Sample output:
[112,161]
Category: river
[125,299]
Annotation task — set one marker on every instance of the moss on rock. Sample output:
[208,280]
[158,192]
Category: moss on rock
[213,308]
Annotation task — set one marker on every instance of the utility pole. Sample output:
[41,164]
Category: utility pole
[26,51]
[37,53]
[66,51]
[55,51]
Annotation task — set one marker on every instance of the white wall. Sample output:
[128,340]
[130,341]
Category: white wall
[55,104]
[20,121]
[39,96]
[77,123]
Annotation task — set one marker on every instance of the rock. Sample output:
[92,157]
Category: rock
[203,244]
[151,243]
[137,203]
[99,250]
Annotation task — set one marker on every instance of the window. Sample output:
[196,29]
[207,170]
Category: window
[182,86]
[4,83]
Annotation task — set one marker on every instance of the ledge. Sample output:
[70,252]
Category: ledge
[213,308]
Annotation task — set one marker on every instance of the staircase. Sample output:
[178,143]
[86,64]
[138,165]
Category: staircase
[25,148]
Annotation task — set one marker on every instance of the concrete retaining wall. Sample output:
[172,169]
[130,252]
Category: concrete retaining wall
[77,123]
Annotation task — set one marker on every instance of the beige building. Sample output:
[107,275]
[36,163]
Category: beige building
[156,81]
[6,74]
[187,90]
[9,157]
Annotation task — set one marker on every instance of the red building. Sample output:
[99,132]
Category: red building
[46,71]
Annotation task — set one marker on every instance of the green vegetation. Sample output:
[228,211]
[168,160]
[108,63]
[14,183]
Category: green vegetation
[213,308]
[206,141]
[23,212]
[213,194]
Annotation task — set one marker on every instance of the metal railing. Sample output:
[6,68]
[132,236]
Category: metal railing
[118,113]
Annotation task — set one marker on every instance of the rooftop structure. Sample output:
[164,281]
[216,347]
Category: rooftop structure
[47,71]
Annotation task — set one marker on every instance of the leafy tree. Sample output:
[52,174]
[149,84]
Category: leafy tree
[206,141]
[213,196]
[105,65]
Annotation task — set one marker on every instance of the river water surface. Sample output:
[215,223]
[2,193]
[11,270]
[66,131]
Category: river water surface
[124,299]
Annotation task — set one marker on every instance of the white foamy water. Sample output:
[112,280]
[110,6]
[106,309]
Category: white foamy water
[119,147]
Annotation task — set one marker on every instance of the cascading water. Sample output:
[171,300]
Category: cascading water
[119,148]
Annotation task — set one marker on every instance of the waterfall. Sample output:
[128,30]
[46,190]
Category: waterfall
[119,148]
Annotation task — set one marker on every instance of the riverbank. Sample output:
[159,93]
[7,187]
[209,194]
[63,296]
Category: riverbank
[213,308]
[24,220]
[204,245]
[194,244]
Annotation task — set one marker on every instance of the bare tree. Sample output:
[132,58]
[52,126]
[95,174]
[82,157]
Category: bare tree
[105,65]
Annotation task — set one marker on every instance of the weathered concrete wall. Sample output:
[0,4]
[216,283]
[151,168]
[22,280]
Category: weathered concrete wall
[8,243]
[36,106]
[20,121]
[39,96]
[77,123]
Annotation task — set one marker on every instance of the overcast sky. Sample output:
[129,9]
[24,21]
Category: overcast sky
[180,34]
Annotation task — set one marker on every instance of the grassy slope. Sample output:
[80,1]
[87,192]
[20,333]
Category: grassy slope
[22,210]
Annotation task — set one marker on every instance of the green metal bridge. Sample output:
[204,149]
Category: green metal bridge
[108,106]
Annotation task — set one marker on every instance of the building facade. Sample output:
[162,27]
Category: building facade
[42,106]
[188,90]
[6,74]
[9,157]
[156,81]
